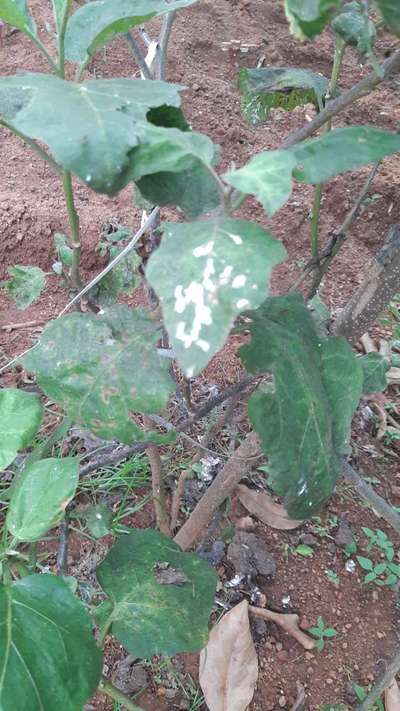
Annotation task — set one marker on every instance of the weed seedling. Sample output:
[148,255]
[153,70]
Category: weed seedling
[320,632]
[333,577]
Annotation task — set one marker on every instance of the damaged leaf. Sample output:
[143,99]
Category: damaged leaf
[261,505]
[228,665]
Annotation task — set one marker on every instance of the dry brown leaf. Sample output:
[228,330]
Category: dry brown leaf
[261,505]
[229,665]
[289,622]
[392,696]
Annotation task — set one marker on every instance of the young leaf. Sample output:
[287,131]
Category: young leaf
[101,368]
[97,23]
[64,252]
[152,614]
[46,634]
[25,285]
[391,579]
[354,27]
[98,520]
[15,13]
[308,17]
[329,632]
[370,577]
[305,551]
[278,87]
[59,9]
[228,667]
[122,279]
[375,367]
[261,505]
[40,497]
[390,11]
[297,417]
[20,418]
[225,268]
[94,125]
[269,175]
[379,568]
[365,563]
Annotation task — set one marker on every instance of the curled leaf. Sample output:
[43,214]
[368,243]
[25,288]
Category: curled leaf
[228,665]
[261,505]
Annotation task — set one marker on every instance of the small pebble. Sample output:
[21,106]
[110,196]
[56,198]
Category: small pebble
[282,701]
[279,646]
[329,680]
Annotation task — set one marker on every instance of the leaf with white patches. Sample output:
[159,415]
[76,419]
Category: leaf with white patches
[224,268]
[304,416]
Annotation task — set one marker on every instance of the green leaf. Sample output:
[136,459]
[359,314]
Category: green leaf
[303,417]
[321,315]
[20,418]
[365,563]
[308,17]
[94,125]
[64,252]
[151,613]
[329,632]
[59,9]
[25,285]
[391,579]
[390,11]
[15,13]
[224,269]
[97,23]
[268,175]
[48,655]
[278,87]
[101,368]
[354,27]
[194,190]
[375,367]
[98,520]
[319,645]
[314,631]
[379,568]
[40,497]
[370,577]
[122,279]
[394,568]
[304,550]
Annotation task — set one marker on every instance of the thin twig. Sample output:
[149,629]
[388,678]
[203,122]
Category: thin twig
[159,498]
[62,554]
[392,668]
[139,57]
[288,621]
[367,493]
[163,44]
[363,87]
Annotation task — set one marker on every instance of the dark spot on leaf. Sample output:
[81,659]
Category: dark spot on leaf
[165,574]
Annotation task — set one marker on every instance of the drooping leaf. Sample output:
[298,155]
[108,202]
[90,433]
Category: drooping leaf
[15,13]
[96,23]
[63,250]
[354,27]
[390,11]
[25,285]
[151,614]
[98,520]
[278,87]
[101,368]
[375,367]
[40,497]
[303,417]
[89,128]
[268,175]
[309,17]
[45,634]
[225,266]
[228,667]
[20,418]
[194,190]
[262,505]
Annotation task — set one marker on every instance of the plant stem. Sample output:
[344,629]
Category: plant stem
[74,225]
[163,43]
[108,688]
[340,47]
[139,58]
[61,40]
[39,44]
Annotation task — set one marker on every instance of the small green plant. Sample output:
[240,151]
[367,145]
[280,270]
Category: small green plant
[361,692]
[380,540]
[385,572]
[303,550]
[333,577]
[324,531]
[321,633]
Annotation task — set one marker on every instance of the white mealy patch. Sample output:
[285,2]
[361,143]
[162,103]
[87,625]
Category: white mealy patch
[239,281]
[203,250]
[235,238]
[242,303]
[225,275]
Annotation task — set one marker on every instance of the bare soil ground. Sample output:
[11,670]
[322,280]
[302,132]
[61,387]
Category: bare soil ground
[31,210]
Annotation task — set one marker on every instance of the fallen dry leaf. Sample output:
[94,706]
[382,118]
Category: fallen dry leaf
[289,622]
[228,665]
[299,704]
[261,505]
[392,696]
